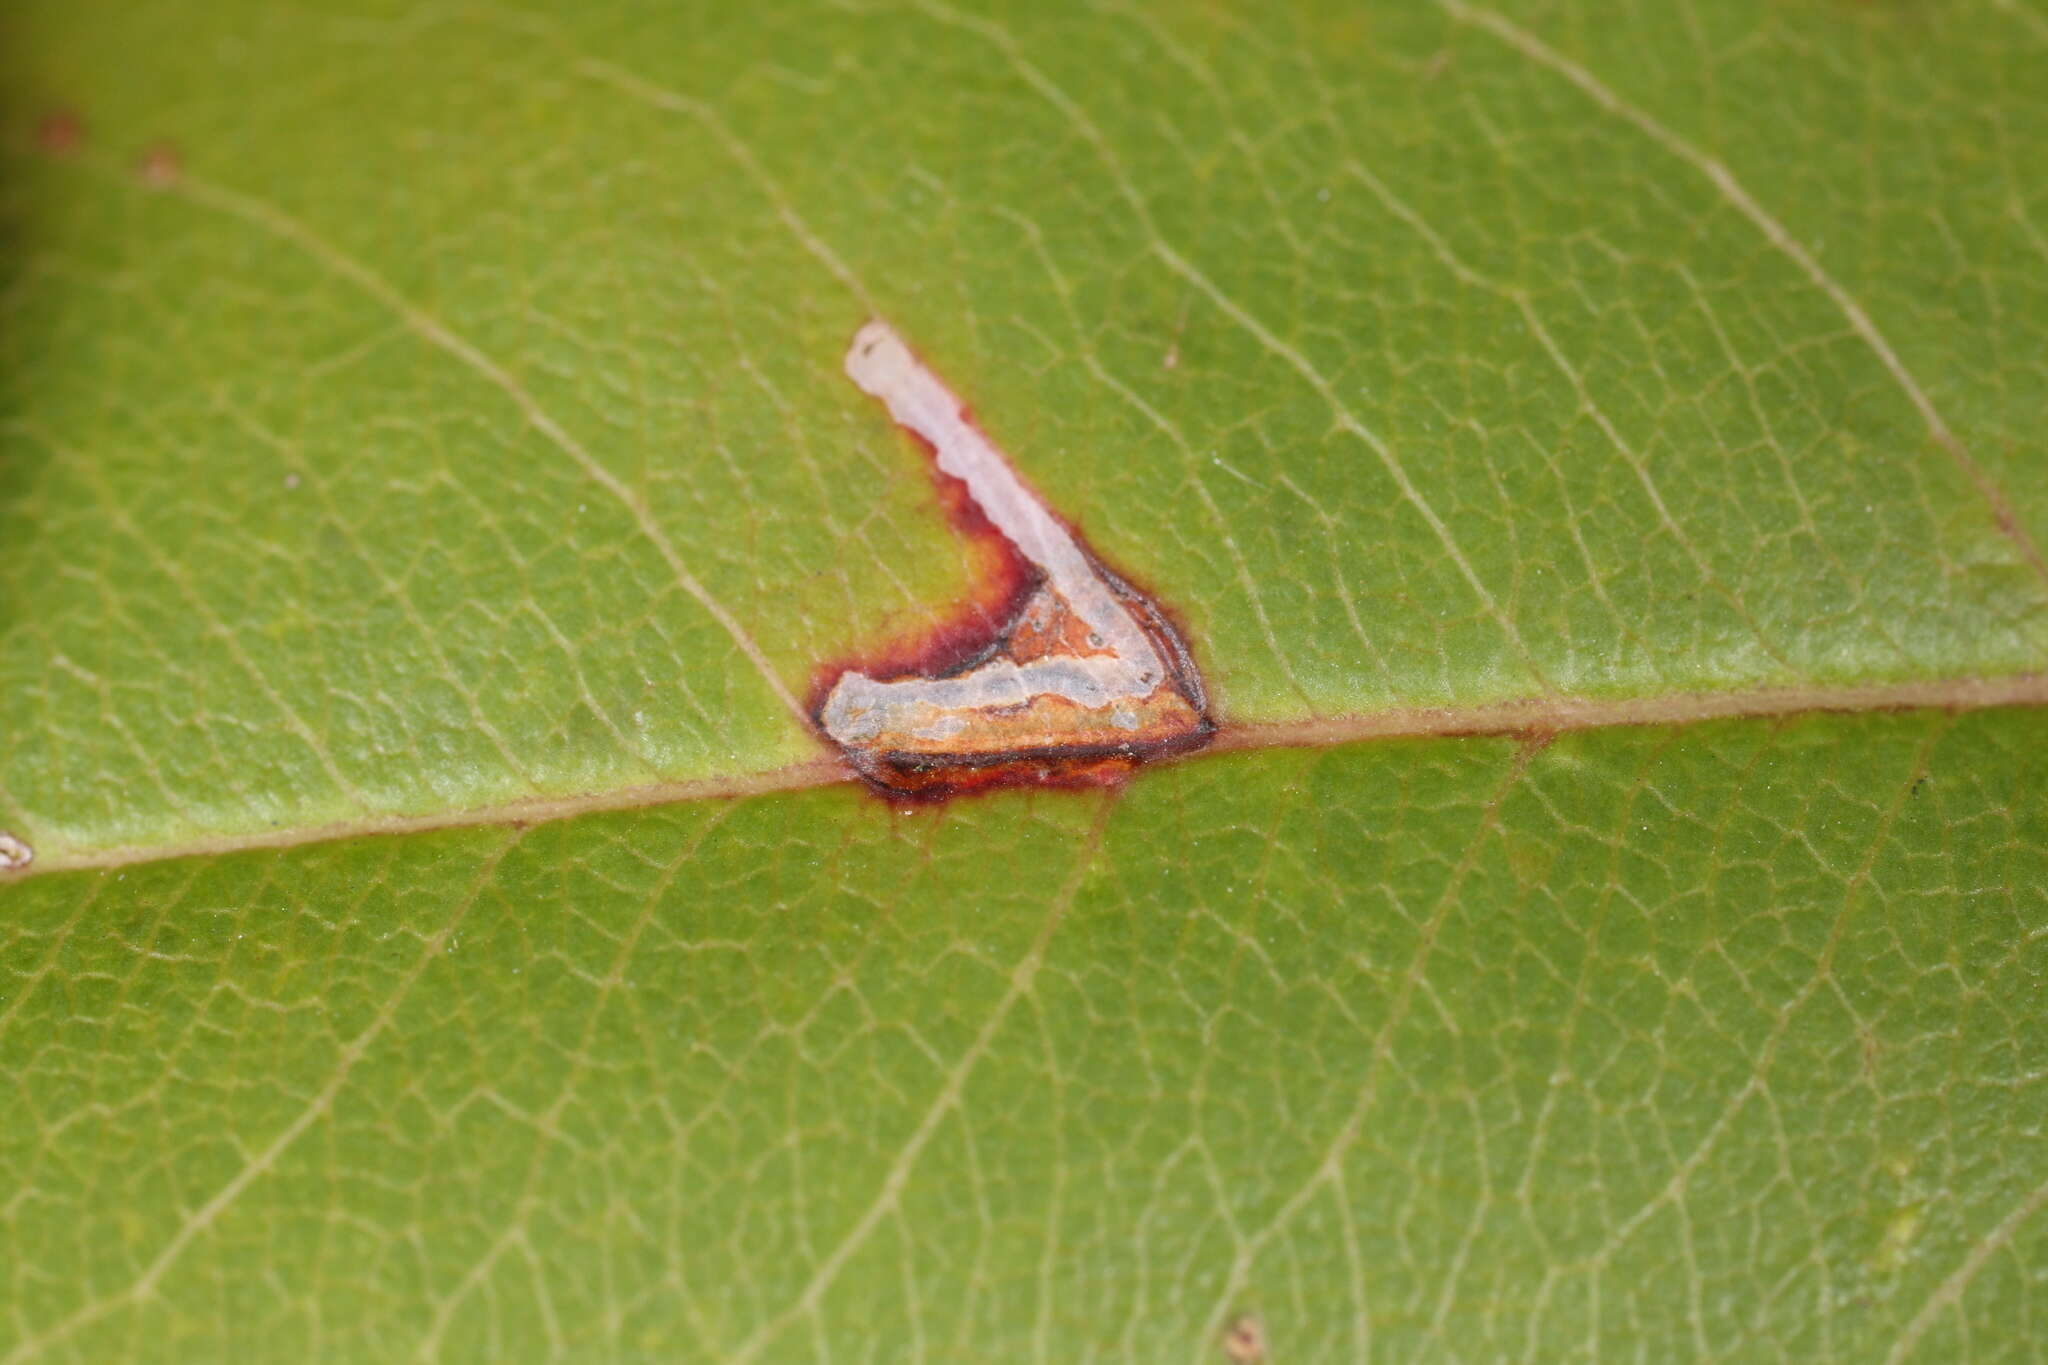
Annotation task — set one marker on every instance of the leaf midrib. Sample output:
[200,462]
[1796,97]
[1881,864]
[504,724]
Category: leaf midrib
[1533,718]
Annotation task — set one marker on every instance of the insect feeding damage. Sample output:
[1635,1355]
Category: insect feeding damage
[14,854]
[1244,1341]
[1081,679]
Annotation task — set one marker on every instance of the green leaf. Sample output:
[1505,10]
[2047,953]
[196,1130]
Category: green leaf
[1716,1043]
[428,420]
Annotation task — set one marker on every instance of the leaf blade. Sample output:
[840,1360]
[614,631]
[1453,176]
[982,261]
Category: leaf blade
[1486,1055]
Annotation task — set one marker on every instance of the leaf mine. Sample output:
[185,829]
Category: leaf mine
[14,854]
[1070,676]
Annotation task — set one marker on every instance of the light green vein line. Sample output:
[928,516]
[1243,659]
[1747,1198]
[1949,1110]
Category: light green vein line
[547,1124]
[1723,180]
[1532,716]
[1949,1292]
[1347,421]
[1246,582]
[169,570]
[144,1285]
[2034,23]
[25,986]
[896,1179]
[1329,1170]
[396,591]
[432,330]
[1587,405]
[742,155]
[1673,1193]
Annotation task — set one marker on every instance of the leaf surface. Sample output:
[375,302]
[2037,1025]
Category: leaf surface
[1679,1045]
[420,415]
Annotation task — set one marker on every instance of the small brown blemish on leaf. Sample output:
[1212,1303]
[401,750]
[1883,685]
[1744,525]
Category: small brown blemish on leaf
[1060,672]
[1244,1340]
[160,166]
[14,854]
[60,133]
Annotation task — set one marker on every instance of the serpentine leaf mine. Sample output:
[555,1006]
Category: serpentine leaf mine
[1066,675]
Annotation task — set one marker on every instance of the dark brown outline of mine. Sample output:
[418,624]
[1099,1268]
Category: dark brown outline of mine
[963,637]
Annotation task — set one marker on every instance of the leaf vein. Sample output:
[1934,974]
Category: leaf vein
[1781,239]
[260,214]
